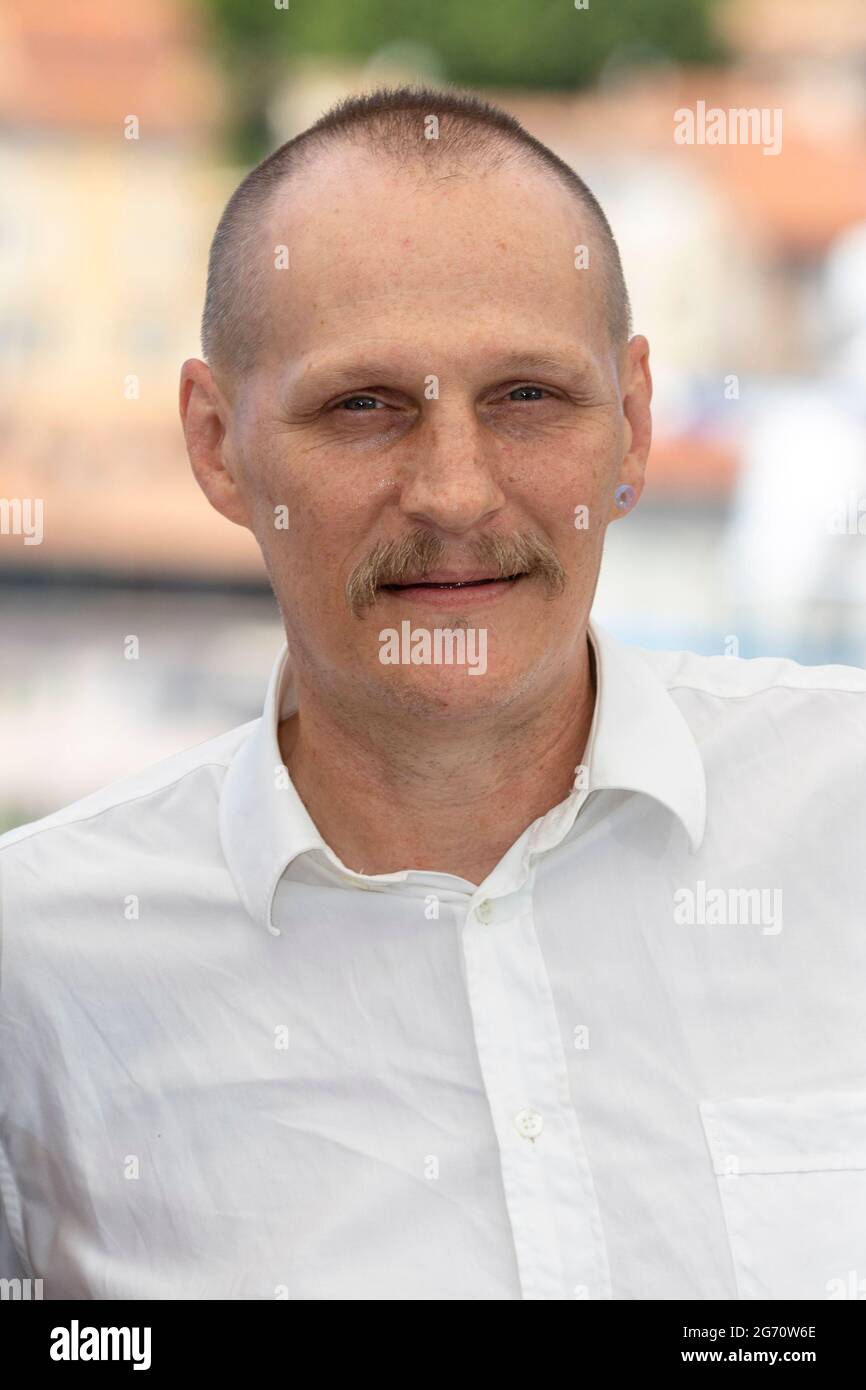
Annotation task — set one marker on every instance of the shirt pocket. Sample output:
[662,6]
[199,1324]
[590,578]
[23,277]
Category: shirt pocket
[791,1174]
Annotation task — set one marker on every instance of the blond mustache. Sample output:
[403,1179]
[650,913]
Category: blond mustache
[394,562]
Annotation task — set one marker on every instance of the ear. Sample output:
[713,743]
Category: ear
[637,389]
[206,415]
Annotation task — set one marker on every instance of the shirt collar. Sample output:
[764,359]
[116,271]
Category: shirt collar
[639,741]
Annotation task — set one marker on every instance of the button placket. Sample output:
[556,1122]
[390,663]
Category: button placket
[555,1222]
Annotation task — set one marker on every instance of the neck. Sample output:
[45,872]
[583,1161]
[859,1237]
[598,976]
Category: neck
[386,796]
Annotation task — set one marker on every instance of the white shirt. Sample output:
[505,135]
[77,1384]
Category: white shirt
[631,1064]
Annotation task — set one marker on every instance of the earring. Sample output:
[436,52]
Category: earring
[624,496]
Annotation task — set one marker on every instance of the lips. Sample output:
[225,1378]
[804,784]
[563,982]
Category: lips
[438,581]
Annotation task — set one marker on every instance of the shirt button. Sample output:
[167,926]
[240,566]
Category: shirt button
[528,1123]
[484,911]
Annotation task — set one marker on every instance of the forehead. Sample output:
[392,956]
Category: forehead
[430,256]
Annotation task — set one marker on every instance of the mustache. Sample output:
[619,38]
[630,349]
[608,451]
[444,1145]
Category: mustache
[396,562]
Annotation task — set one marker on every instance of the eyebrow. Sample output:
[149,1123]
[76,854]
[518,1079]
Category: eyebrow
[372,370]
[572,359]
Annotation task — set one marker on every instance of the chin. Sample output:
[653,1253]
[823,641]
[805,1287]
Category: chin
[451,693]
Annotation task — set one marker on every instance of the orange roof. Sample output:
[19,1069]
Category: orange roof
[796,202]
[692,466]
[85,66]
[800,28]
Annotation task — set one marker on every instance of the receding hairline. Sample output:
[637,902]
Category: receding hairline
[473,136]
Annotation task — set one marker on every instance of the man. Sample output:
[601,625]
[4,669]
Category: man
[496,960]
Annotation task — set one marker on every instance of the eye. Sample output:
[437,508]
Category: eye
[351,403]
[517,391]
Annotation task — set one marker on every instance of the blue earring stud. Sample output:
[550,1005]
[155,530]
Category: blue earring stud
[624,496]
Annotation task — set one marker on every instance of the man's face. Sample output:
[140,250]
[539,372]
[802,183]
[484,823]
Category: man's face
[435,366]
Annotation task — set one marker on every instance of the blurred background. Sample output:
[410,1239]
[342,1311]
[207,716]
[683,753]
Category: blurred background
[124,129]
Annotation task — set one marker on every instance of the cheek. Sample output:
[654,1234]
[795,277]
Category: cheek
[279,503]
[568,489]
[262,484]
[595,467]
[328,534]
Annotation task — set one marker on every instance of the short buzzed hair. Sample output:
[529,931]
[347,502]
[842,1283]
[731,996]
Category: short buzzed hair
[470,133]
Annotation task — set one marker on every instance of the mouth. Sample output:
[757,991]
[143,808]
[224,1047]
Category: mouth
[449,588]
[453,582]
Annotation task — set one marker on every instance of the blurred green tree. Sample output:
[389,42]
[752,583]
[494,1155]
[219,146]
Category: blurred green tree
[478,43]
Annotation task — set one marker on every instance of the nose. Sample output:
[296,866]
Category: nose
[449,481]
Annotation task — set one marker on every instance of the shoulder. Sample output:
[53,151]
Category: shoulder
[747,705]
[736,677]
[161,795]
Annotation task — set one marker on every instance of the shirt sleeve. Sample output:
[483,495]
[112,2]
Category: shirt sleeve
[11,1265]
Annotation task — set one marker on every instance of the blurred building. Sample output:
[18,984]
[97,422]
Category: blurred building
[109,117]
[745,273]
[103,247]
